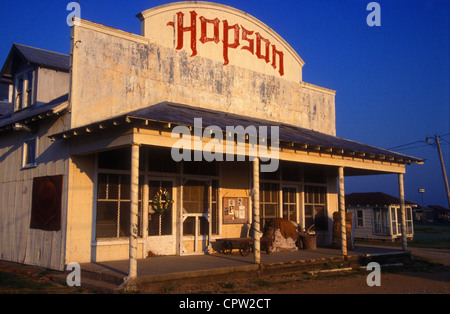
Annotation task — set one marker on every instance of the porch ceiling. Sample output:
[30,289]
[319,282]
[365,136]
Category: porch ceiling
[168,115]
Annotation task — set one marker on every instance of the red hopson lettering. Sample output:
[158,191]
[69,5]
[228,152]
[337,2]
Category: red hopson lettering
[232,35]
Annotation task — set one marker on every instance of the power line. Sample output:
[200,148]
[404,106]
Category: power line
[426,141]
[408,148]
[406,144]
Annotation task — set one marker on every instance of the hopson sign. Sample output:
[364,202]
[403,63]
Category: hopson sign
[255,43]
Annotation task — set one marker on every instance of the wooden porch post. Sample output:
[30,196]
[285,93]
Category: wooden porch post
[132,273]
[342,212]
[402,211]
[256,218]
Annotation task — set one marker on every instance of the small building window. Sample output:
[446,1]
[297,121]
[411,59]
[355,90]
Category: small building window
[359,218]
[29,153]
[29,90]
[24,91]
[19,93]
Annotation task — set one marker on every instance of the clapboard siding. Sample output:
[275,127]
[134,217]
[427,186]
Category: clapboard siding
[19,243]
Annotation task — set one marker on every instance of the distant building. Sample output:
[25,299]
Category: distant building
[439,213]
[431,214]
[376,216]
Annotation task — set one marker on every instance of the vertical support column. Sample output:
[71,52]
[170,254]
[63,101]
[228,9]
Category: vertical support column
[132,273]
[401,190]
[256,217]
[209,248]
[145,202]
[342,212]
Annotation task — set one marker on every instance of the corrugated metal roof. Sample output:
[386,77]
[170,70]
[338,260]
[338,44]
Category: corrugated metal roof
[182,114]
[171,113]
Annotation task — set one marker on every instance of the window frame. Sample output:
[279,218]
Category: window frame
[314,204]
[359,220]
[24,90]
[272,199]
[25,153]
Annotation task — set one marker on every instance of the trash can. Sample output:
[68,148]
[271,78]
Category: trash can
[309,242]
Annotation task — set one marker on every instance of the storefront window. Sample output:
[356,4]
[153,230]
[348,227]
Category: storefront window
[316,207]
[113,206]
[268,201]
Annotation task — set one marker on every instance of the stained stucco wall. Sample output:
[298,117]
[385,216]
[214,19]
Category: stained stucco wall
[115,72]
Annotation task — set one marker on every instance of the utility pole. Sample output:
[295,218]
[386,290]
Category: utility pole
[443,169]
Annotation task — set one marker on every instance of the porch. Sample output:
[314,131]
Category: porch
[207,194]
[155,273]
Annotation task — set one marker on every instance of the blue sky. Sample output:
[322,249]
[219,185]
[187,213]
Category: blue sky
[392,81]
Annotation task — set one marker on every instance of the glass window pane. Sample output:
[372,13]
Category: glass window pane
[195,197]
[270,210]
[189,226]
[106,220]
[204,226]
[30,152]
[113,186]
[124,219]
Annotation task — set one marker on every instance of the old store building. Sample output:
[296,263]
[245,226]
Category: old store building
[138,145]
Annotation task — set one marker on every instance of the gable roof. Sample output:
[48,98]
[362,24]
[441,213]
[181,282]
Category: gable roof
[372,199]
[36,56]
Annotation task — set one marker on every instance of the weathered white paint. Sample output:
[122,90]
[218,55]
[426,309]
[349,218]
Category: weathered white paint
[19,243]
[160,26]
[148,74]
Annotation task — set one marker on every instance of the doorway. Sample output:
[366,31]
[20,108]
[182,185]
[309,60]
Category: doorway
[198,216]
[161,236]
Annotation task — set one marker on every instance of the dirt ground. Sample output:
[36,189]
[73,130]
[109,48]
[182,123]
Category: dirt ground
[393,281]
[423,277]
[430,274]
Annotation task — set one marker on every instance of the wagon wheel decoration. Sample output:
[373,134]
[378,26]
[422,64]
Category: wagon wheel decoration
[161,201]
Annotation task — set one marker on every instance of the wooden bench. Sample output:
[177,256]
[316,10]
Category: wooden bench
[245,245]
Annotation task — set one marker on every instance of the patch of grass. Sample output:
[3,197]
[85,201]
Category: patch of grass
[12,283]
[435,236]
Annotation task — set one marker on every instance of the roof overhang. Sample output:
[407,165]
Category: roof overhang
[35,113]
[166,116]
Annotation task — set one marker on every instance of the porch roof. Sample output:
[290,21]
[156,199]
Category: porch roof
[171,114]
[373,199]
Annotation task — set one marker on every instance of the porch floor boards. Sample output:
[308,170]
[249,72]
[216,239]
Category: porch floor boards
[170,268]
